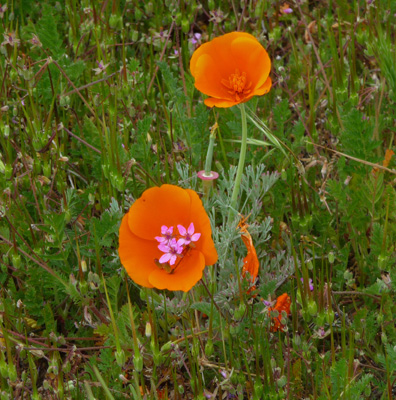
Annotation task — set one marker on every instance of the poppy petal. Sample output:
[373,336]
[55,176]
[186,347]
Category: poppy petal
[166,205]
[221,103]
[265,88]
[251,57]
[184,277]
[210,83]
[137,255]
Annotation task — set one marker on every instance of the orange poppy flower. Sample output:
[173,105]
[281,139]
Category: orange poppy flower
[282,304]
[231,69]
[166,239]
[250,262]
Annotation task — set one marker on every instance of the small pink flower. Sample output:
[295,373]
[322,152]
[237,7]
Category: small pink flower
[188,235]
[287,10]
[167,235]
[310,284]
[172,250]
[196,38]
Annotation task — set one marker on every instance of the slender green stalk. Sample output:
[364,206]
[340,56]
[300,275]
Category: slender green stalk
[241,164]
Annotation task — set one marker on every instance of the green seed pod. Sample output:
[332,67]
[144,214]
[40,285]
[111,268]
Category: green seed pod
[3,367]
[331,257]
[16,260]
[282,381]
[320,319]
[240,312]
[312,307]
[12,372]
[209,348]
[83,287]
[8,171]
[211,5]
[166,347]
[138,14]
[6,131]
[185,25]
[2,167]
[330,316]
[178,18]
[120,358]
[180,389]
[47,169]
[115,21]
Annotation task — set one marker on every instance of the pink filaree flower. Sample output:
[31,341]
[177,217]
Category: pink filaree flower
[196,38]
[172,250]
[188,235]
[167,235]
[310,284]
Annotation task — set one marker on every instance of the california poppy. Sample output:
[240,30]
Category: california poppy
[231,69]
[282,304]
[250,262]
[166,239]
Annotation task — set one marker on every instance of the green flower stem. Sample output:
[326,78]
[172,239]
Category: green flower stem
[209,154]
[241,164]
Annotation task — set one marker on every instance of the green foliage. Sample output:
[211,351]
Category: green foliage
[96,106]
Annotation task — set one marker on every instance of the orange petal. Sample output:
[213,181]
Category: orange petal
[265,88]
[208,77]
[251,57]
[221,103]
[184,277]
[166,205]
[250,262]
[137,255]
[283,303]
[202,225]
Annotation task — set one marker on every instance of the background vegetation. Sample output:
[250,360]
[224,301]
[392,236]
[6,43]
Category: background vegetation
[97,104]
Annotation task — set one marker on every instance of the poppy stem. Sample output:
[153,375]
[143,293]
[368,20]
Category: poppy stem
[241,164]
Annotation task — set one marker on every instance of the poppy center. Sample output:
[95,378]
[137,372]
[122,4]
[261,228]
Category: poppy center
[237,85]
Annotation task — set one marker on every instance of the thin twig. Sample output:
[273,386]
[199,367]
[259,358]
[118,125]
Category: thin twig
[379,166]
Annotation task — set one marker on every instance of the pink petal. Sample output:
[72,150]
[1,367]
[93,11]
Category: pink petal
[179,245]
[191,229]
[172,259]
[163,247]
[165,258]
[160,239]
[182,230]
[195,237]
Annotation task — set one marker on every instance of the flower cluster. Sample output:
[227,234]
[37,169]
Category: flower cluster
[174,245]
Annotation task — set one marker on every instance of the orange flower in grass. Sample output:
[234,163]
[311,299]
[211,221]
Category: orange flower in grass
[231,69]
[282,304]
[250,262]
[166,239]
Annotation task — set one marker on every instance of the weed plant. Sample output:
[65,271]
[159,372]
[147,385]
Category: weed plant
[98,104]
